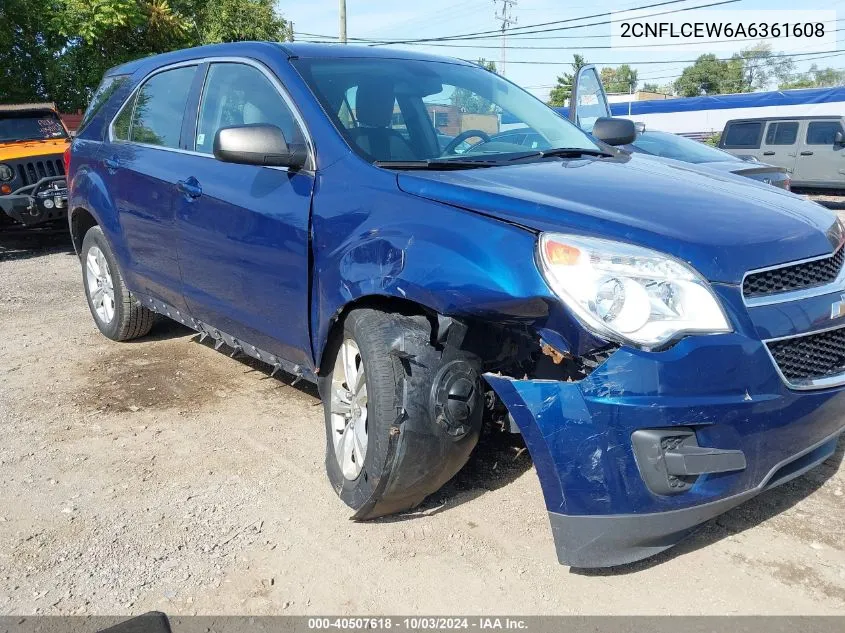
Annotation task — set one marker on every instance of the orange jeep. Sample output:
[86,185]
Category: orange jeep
[33,141]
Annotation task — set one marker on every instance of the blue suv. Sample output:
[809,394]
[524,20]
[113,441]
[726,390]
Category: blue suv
[668,342]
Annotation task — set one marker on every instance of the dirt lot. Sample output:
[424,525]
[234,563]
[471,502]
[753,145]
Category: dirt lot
[161,474]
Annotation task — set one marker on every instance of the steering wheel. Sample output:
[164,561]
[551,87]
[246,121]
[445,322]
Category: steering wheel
[460,138]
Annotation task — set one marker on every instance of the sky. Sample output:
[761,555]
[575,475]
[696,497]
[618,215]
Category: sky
[396,19]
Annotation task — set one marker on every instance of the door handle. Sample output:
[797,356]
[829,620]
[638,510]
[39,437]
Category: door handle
[768,153]
[112,164]
[190,188]
[805,153]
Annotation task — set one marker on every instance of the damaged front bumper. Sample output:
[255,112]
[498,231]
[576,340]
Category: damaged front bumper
[44,201]
[647,447]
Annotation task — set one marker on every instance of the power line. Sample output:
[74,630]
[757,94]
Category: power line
[522,30]
[496,33]
[463,8]
[609,47]
[679,61]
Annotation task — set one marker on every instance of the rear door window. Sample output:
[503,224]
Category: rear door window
[822,132]
[160,107]
[239,94]
[782,133]
[743,135]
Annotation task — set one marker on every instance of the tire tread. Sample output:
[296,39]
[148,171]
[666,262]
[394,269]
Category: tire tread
[133,319]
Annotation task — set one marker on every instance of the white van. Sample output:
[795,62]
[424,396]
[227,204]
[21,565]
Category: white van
[812,149]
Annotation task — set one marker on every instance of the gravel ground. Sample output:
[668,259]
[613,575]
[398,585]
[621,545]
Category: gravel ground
[160,474]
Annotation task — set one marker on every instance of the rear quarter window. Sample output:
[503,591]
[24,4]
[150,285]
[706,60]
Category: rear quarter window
[822,132]
[101,95]
[743,135]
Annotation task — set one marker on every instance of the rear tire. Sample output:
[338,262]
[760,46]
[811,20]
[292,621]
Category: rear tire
[117,313]
[407,449]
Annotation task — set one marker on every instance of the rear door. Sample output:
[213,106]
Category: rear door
[780,144]
[821,162]
[743,138]
[244,229]
[588,101]
[142,162]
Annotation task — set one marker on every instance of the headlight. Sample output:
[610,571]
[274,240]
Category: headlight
[629,294]
[6,173]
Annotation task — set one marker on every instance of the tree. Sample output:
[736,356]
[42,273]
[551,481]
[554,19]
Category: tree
[58,50]
[753,68]
[27,42]
[563,89]
[470,102]
[760,67]
[239,20]
[815,78]
[710,75]
[487,65]
[621,79]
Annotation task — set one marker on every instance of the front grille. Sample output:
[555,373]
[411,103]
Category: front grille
[31,171]
[795,277]
[805,359]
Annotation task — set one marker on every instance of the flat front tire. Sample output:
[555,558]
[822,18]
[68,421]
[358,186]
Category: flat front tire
[387,447]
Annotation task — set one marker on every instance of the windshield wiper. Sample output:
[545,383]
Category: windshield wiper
[565,152]
[437,163]
[491,160]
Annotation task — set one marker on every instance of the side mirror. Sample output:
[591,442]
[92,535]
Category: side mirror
[838,139]
[257,144]
[614,131]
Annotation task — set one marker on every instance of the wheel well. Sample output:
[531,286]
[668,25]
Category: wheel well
[374,302]
[504,347]
[80,221]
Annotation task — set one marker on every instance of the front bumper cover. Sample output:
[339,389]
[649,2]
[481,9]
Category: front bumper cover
[611,540]
[602,510]
[44,201]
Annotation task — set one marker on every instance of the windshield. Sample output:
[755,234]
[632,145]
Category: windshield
[394,110]
[680,148]
[29,126]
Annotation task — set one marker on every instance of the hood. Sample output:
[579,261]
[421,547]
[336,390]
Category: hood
[722,225]
[25,149]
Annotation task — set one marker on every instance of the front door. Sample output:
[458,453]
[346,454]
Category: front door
[821,161]
[142,159]
[780,144]
[588,101]
[244,229]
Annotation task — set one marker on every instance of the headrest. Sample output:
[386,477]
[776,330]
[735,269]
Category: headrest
[374,103]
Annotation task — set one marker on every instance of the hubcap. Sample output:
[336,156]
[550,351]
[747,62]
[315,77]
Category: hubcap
[349,410]
[100,286]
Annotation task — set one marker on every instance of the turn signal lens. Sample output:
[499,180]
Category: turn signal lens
[5,189]
[561,254]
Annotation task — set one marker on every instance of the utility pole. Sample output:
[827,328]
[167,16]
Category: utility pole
[342,21]
[504,14]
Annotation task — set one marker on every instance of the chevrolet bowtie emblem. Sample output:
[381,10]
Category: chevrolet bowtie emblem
[837,308]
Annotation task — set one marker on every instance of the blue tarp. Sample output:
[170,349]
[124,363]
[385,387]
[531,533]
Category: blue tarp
[723,102]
